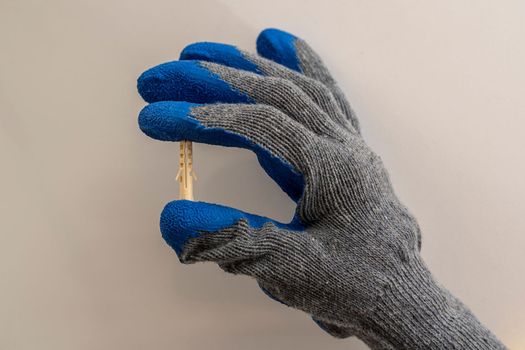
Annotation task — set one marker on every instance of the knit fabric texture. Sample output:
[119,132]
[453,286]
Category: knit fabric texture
[350,256]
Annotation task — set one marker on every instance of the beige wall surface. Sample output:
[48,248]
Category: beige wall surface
[439,87]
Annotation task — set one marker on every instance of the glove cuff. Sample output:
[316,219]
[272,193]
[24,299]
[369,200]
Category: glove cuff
[415,312]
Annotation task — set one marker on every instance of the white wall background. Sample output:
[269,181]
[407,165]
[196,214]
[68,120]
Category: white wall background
[439,88]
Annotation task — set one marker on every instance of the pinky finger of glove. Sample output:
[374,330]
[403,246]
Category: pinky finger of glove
[294,53]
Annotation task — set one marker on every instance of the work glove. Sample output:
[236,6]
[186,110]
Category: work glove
[350,256]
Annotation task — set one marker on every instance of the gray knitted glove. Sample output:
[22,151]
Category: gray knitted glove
[350,257]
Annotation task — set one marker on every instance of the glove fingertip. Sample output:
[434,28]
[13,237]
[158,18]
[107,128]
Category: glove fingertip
[186,81]
[279,46]
[167,120]
[182,219]
[199,51]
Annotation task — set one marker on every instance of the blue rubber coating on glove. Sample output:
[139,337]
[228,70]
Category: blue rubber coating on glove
[228,55]
[172,121]
[182,220]
[169,121]
[186,81]
[270,295]
[279,46]
[320,324]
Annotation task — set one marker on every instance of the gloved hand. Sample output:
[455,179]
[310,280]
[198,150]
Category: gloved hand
[350,256]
